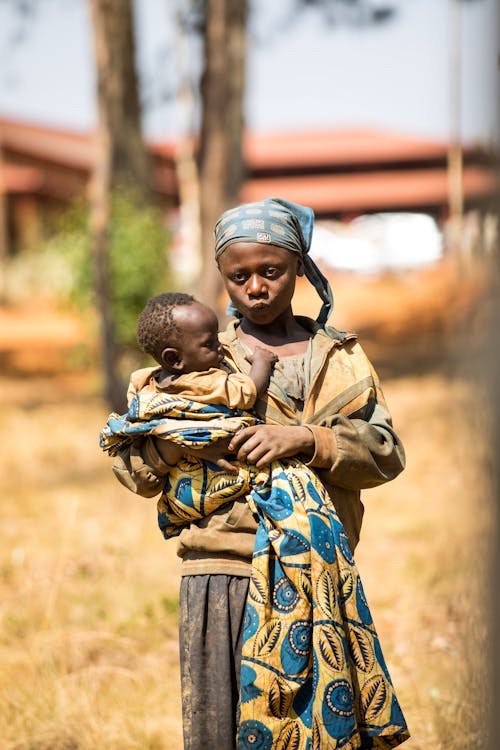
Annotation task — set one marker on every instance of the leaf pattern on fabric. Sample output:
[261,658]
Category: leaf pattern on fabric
[331,648]
[223,486]
[316,734]
[374,698]
[290,737]
[258,590]
[304,584]
[280,698]
[325,593]
[362,651]
[267,637]
[346,584]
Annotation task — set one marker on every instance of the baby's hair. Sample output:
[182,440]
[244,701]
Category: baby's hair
[156,326]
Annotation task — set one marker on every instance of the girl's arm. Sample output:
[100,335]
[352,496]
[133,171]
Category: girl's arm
[357,452]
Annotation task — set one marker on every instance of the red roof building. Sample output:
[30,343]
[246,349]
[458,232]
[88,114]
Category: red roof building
[339,174]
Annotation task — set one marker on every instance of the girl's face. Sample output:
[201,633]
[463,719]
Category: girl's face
[260,279]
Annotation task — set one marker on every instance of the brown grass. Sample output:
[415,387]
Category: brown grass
[88,588]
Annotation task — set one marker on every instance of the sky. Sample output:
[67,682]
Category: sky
[302,73]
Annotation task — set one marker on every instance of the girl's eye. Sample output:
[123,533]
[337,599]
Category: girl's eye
[271,272]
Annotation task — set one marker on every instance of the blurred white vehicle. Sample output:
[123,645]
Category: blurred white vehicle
[375,243]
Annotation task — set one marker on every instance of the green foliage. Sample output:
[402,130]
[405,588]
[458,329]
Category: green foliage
[138,261]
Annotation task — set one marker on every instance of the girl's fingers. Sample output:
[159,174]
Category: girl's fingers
[259,450]
[266,459]
[239,438]
[254,455]
[247,450]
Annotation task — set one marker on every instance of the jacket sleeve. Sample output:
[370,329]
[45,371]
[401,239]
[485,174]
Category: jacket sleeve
[140,468]
[359,453]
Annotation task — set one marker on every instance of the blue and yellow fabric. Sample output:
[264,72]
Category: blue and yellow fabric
[312,675]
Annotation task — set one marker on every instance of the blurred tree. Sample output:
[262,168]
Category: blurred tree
[136,241]
[121,180]
[221,165]
[120,162]
[222,90]
[220,160]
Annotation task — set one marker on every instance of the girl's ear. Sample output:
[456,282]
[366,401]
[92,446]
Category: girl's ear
[172,359]
[300,266]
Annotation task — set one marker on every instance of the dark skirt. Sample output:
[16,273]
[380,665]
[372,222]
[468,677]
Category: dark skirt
[211,617]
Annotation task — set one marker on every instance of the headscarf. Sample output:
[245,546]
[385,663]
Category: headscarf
[275,221]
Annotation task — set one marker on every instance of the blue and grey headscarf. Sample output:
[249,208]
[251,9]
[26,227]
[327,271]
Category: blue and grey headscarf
[275,221]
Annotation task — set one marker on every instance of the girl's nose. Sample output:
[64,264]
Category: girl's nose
[255,284]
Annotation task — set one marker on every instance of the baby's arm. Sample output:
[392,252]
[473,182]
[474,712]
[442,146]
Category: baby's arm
[262,361]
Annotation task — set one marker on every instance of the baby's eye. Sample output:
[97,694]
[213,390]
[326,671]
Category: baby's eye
[271,272]
[238,276]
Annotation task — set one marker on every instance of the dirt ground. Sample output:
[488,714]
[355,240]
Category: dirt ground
[88,588]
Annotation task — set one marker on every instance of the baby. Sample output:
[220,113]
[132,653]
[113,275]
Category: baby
[181,334]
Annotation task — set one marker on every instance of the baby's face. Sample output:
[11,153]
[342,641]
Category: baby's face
[198,347]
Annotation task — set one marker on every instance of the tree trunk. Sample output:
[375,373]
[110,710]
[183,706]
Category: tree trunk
[120,159]
[186,166]
[3,231]
[119,132]
[221,167]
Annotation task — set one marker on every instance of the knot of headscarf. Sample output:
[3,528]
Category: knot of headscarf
[275,221]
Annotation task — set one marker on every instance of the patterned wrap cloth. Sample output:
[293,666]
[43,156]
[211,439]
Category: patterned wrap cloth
[275,221]
[312,674]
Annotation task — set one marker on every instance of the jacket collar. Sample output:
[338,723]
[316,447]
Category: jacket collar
[323,340]
[329,334]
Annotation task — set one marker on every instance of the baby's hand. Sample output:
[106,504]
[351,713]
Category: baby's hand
[263,362]
[262,356]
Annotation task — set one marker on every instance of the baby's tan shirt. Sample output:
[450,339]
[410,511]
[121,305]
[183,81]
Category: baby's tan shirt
[214,386]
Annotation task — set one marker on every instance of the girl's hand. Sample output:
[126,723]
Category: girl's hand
[261,444]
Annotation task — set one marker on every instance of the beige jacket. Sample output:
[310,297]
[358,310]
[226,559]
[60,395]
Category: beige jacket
[355,448]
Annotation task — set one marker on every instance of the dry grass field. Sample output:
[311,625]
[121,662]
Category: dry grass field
[88,588]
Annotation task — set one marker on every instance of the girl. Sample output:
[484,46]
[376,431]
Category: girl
[324,405]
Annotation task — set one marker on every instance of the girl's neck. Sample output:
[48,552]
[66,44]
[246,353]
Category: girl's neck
[284,335]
